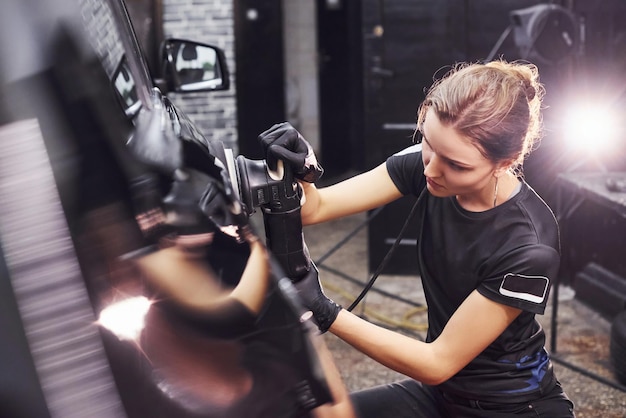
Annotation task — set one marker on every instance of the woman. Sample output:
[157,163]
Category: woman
[488,251]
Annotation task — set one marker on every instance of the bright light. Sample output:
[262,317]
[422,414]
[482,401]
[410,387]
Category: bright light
[591,128]
[126,318]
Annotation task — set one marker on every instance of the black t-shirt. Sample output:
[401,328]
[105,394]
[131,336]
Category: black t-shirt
[510,254]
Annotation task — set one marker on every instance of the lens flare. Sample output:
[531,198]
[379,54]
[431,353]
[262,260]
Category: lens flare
[592,128]
[126,318]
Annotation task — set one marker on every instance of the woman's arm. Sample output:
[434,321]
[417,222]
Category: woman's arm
[475,325]
[365,191]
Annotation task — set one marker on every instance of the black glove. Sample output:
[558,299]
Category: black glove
[283,142]
[324,309]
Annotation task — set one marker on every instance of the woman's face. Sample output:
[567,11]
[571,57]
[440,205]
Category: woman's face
[453,166]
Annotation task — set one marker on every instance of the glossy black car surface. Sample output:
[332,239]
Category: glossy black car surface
[91,147]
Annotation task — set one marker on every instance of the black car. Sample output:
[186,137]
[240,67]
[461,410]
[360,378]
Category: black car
[99,170]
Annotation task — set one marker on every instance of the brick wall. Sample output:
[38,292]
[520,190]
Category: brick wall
[211,22]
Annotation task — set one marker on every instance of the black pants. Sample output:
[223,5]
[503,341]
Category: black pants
[411,399]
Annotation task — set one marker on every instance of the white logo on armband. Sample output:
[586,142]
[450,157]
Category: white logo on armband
[529,288]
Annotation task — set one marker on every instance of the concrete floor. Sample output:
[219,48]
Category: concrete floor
[582,363]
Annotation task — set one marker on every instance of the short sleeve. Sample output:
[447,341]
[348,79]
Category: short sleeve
[524,278]
[406,170]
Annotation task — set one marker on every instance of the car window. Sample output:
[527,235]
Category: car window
[110,34]
[125,88]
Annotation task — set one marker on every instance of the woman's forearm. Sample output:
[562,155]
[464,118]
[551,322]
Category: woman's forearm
[401,353]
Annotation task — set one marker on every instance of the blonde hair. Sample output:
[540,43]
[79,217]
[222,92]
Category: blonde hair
[496,105]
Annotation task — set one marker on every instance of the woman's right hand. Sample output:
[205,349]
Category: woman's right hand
[283,142]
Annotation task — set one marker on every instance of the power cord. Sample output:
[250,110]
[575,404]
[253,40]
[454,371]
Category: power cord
[404,323]
[387,257]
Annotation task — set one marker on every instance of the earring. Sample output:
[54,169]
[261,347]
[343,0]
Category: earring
[495,193]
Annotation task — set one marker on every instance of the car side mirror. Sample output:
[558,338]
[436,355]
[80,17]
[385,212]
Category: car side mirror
[190,66]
